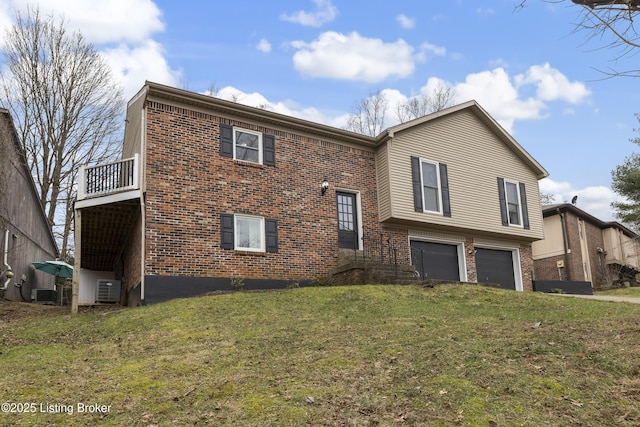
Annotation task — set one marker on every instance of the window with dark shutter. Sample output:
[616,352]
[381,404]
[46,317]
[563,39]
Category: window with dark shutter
[430,183]
[503,202]
[226,231]
[271,233]
[523,203]
[513,203]
[417,184]
[226,140]
[444,186]
[269,149]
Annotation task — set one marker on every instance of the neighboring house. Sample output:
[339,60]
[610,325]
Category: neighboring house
[210,190]
[25,233]
[580,247]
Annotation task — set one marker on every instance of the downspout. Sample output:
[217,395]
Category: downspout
[9,272]
[142,246]
[565,243]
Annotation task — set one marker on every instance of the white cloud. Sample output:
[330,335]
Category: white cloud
[325,12]
[134,65]
[288,107]
[353,57]
[595,200]
[405,21]
[104,21]
[121,31]
[427,49]
[264,46]
[552,84]
[495,91]
[502,95]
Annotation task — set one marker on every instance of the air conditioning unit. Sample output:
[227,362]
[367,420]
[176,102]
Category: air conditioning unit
[43,296]
[108,290]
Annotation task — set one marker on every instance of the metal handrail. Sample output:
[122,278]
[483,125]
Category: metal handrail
[108,178]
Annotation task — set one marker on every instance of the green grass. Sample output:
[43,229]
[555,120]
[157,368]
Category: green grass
[633,292]
[353,356]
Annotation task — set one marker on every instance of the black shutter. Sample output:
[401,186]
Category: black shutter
[226,231]
[503,202]
[523,204]
[268,149]
[271,233]
[226,140]
[417,184]
[444,185]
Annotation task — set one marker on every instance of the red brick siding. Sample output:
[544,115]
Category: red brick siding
[189,185]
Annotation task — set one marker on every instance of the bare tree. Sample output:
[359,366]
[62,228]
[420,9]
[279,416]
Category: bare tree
[367,116]
[611,21]
[65,101]
[440,98]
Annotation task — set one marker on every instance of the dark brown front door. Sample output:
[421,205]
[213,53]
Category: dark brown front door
[347,221]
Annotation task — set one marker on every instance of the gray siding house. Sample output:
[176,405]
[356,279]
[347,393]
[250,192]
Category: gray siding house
[25,235]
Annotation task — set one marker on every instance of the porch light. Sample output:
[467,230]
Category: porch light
[324,186]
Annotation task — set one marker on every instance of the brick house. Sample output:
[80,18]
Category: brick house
[25,233]
[208,191]
[580,247]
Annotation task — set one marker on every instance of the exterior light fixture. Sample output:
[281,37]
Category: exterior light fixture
[324,186]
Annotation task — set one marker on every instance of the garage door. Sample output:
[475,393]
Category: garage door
[435,260]
[495,266]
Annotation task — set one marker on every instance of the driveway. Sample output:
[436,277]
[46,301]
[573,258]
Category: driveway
[602,298]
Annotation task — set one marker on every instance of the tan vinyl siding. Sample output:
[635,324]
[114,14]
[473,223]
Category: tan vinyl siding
[133,129]
[475,157]
[552,244]
[382,178]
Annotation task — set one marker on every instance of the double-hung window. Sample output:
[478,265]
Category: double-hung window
[247,145]
[513,203]
[430,186]
[249,233]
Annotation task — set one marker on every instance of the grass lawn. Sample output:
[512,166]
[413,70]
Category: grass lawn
[346,356]
[623,292]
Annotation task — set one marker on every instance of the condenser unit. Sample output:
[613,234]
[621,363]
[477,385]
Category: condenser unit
[108,290]
[43,296]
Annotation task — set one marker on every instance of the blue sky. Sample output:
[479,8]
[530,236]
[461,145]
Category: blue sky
[314,59]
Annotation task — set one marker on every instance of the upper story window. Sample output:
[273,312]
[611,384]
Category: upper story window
[513,203]
[430,186]
[247,145]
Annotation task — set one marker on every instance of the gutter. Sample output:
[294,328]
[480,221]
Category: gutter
[9,272]
[565,243]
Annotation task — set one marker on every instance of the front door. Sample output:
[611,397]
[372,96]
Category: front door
[347,221]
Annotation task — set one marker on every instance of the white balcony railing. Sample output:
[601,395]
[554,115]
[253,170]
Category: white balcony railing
[102,180]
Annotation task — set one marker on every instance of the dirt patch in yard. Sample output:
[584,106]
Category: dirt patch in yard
[11,311]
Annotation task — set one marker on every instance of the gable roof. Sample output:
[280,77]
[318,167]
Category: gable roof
[475,108]
[551,210]
[277,119]
[258,114]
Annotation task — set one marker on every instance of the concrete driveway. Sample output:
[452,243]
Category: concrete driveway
[603,298]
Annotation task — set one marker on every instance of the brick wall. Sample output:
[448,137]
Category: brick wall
[189,185]
[526,266]
[546,268]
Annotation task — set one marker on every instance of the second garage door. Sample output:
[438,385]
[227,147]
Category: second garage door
[495,266]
